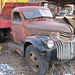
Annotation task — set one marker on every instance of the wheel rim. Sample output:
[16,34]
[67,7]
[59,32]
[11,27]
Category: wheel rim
[33,61]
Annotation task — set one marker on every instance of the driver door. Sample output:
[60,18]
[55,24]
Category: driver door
[17,28]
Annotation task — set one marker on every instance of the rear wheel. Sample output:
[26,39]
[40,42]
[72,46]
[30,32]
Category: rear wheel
[1,37]
[35,61]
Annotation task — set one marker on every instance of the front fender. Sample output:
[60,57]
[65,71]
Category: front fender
[40,44]
[37,42]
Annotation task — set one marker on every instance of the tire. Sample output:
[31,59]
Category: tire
[35,61]
[2,38]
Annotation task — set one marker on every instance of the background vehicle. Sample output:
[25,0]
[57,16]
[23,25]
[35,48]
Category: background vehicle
[67,10]
[63,13]
[70,8]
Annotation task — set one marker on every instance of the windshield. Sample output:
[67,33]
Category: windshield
[45,13]
[34,13]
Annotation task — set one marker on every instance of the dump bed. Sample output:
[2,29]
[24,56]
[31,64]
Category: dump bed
[6,11]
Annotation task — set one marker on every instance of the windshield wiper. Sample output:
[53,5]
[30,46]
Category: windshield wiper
[38,18]
[35,18]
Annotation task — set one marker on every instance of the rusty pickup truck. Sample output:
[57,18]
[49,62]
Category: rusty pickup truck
[40,39]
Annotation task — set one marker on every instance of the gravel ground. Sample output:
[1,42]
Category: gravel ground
[12,63]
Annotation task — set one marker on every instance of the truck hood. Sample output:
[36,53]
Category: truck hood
[50,25]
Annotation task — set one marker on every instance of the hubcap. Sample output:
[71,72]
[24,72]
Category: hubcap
[33,61]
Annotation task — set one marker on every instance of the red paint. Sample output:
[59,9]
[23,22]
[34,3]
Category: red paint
[5,15]
[9,6]
[5,23]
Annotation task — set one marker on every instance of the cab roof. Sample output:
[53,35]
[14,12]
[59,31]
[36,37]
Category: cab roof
[27,7]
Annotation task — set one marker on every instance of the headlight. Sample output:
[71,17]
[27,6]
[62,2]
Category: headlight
[50,43]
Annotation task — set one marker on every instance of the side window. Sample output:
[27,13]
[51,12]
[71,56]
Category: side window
[16,17]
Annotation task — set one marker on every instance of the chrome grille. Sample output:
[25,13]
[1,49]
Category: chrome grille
[65,50]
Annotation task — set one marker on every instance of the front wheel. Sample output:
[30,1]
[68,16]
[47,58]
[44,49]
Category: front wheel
[1,36]
[35,61]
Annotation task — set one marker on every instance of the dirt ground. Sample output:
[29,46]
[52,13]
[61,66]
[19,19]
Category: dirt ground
[12,63]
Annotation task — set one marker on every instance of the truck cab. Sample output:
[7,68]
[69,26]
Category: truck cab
[40,39]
